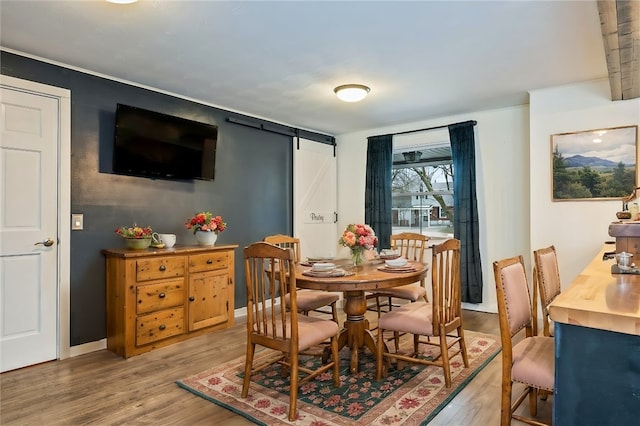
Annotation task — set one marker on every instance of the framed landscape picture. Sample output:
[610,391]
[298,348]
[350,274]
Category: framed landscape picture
[594,164]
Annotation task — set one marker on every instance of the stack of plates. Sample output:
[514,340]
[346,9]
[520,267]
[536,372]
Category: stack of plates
[323,267]
[324,270]
[397,265]
[400,262]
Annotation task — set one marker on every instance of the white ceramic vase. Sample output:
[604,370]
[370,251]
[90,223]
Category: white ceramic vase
[206,238]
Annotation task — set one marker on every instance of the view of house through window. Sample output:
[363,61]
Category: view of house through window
[422,189]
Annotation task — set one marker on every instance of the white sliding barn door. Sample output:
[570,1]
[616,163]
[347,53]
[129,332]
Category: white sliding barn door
[315,198]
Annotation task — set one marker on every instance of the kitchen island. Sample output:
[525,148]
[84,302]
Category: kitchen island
[597,347]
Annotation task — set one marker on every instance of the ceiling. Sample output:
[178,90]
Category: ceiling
[281,60]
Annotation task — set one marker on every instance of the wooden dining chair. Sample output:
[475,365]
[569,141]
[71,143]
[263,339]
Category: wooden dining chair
[323,302]
[442,318]
[272,325]
[411,246]
[546,286]
[530,361]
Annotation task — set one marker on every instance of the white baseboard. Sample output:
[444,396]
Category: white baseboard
[89,347]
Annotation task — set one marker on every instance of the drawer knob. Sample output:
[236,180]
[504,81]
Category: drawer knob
[163,268]
[162,295]
[191,298]
[162,327]
[209,261]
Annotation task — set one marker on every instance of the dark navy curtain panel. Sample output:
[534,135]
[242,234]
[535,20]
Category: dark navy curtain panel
[465,210]
[377,196]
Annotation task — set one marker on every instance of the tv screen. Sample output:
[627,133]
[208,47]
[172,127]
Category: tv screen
[161,146]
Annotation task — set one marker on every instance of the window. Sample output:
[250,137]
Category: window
[422,189]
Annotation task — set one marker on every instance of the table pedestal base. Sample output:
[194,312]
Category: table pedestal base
[356,333]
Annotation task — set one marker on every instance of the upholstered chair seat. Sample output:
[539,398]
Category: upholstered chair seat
[310,329]
[310,300]
[410,292]
[414,318]
[533,362]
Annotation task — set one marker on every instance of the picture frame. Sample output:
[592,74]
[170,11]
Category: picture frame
[597,164]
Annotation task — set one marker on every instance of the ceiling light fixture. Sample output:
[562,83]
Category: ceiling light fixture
[122,1]
[352,92]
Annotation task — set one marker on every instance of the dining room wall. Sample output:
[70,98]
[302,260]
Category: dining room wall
[252,189]
[577,229]
[502,161]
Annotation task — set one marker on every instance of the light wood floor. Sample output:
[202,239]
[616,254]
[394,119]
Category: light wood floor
[101,388]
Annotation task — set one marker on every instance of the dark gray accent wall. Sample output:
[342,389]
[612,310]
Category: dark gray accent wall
[252,189]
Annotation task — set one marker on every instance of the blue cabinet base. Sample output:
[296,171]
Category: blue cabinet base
[597,376]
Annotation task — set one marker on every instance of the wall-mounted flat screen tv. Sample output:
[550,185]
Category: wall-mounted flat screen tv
[161,146]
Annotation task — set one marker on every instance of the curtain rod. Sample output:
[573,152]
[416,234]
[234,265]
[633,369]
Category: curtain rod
[472,122]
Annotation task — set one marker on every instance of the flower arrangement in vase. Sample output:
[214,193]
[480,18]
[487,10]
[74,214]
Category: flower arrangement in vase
[137,237]
[358,238]
[206,227]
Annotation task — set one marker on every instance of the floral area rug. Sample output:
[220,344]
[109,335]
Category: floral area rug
[412,395]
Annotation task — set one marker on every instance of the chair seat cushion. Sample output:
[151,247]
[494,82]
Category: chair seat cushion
[533,362]
[413,318]
[407,292]
[308,300]
[311,330]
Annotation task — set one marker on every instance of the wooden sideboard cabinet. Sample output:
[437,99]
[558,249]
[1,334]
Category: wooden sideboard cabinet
[156,297]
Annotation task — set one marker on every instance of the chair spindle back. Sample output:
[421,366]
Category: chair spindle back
[267,285]
[445,281]
[410,244]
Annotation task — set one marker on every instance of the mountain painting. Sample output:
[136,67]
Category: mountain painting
[594,164]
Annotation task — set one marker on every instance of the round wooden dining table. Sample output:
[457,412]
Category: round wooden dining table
[358,279]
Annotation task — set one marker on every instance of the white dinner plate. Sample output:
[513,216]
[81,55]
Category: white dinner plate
[396,263]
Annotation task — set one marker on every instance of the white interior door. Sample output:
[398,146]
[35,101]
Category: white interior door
[30,132]
[315,198]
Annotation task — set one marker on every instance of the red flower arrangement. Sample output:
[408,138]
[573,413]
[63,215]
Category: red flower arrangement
[358,237]
[134,231]
[206,222]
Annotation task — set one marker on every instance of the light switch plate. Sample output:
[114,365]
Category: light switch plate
[77,222]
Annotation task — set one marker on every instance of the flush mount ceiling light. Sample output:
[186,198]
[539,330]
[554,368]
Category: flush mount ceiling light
[351,92]
[122,1]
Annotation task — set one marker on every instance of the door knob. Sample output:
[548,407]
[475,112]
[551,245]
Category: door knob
[47,243]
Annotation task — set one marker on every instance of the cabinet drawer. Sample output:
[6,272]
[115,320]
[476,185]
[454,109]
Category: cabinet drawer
[159,325]
[154,297]
[165,267]
[208,261]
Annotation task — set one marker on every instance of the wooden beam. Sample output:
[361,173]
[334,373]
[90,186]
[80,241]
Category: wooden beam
[620,24]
